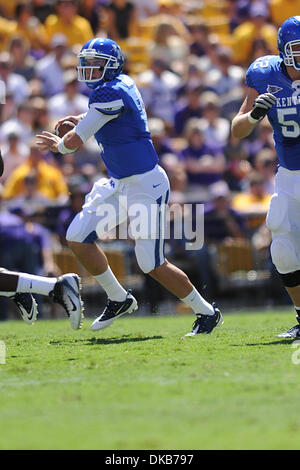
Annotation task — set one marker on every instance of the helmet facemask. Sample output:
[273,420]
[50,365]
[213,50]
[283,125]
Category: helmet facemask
[292,54]
[91,63]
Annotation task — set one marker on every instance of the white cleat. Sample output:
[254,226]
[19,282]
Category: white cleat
[114,310]
[293,332]
[66,292]
[27,306]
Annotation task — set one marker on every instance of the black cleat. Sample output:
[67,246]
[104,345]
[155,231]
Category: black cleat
[293,332]
[27,306]
[205,324]
[114,310]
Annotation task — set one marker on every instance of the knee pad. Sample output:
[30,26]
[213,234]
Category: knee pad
[145,254]
[284,254]
[291,279]
[82,229]
[74,232]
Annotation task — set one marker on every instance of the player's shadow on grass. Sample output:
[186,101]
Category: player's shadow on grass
[124,339]
[270,343]
[94,340]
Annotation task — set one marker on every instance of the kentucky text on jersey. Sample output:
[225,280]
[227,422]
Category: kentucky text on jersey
[126,142]
[287,101]
[268,73]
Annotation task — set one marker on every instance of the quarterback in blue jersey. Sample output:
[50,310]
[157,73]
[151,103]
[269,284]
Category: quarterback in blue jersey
[117,118]
[274,90]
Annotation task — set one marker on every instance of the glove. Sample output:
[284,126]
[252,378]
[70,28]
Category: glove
[262,104]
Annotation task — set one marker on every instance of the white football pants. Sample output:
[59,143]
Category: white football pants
[283,220]
[139,199]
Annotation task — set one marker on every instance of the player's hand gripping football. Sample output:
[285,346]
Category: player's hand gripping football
[74,119]
[47,141]
[262,104]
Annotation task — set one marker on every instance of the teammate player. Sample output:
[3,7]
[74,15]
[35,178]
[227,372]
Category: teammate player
[274,90]
[117,118]
[64,290]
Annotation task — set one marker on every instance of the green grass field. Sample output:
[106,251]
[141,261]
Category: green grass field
[138,385]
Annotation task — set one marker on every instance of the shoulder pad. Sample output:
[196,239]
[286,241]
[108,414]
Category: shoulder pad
[260,69]
[106,99]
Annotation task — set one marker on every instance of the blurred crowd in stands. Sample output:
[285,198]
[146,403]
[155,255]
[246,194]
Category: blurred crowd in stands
[189,60]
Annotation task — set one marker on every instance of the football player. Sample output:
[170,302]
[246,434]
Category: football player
[117,118]
[64,290]
[274,90]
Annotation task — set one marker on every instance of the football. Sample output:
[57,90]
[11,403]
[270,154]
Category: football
[64,128]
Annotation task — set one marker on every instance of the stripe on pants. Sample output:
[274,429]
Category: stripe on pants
[159,243]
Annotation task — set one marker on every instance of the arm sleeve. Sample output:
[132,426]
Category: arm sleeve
[92,122]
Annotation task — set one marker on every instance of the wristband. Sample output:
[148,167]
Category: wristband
[62,148]
[252,120]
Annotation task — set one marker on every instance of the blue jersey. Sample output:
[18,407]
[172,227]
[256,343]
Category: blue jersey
[126,142]
[268,74]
